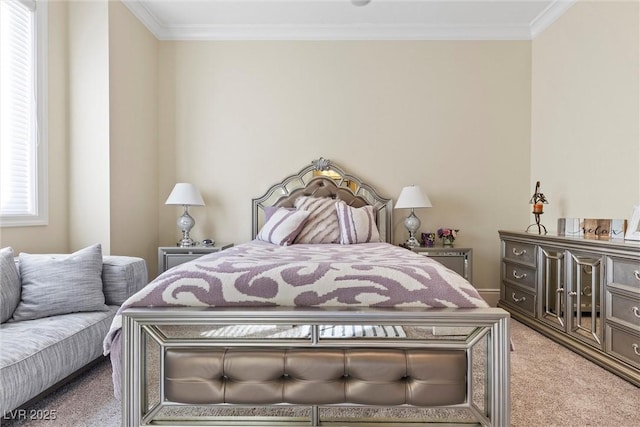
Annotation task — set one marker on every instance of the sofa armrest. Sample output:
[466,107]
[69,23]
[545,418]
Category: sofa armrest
[122,276]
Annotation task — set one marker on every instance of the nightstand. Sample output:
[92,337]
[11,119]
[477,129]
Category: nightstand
[456,259]
[170,256]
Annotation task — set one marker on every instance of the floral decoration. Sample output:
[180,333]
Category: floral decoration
[448,233]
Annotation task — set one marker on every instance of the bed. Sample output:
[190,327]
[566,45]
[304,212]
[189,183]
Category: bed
[306,325]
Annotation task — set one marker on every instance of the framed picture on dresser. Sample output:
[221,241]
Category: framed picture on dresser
[633,229]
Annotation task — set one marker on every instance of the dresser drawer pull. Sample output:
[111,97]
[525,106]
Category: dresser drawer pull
[524,251]
[636,311]
[573,294]
[635,349]
[637,274]
[519,276]
[513,297]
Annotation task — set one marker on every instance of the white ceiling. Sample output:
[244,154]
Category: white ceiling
[342,20]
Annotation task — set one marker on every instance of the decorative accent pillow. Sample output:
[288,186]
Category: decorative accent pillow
[9,284]
[270,210]
[357,225]
[322,226]
[283,226]
[61,284]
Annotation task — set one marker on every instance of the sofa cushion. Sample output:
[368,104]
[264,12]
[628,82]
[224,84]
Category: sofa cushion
[36,354]
[122,276]
[60,284]
[9,285]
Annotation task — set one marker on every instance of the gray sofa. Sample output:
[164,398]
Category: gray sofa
[47,338]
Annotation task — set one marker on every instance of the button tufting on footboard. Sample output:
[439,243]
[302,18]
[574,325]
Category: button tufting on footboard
[316,376]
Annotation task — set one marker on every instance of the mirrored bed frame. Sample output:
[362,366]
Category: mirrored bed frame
[454,362]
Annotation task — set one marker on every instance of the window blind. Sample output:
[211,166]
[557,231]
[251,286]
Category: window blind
[18,108]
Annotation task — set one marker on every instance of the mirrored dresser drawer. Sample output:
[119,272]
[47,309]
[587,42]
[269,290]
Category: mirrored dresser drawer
[519,299]
[624,345]
[624,309]
[519,252]
[519,274]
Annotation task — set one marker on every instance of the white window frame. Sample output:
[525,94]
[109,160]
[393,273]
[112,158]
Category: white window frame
[41,214]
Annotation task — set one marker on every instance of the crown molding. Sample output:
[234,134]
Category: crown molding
[550,15]
[144,15]
[338,32]
[163,31]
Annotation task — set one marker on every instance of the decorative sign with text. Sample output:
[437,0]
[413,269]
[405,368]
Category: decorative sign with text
[591,228]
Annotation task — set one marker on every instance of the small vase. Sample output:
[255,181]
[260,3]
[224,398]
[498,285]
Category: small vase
[447,241]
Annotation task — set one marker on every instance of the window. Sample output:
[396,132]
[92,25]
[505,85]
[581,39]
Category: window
[23,130]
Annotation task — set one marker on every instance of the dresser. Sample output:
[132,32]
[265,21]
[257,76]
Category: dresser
[170,256]
[582,293]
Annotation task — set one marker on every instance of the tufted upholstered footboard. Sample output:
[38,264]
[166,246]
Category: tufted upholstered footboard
[176,378]
[316,376]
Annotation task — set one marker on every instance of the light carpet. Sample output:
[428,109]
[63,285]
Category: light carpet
[550,386]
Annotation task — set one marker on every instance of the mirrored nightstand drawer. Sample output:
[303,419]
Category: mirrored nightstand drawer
[171,256]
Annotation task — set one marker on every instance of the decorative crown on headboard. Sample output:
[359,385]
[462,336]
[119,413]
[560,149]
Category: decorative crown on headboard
[321,164]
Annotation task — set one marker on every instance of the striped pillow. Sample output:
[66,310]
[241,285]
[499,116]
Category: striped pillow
[322,226]
[9,284]
[283,226]
[357,225]
[270,210]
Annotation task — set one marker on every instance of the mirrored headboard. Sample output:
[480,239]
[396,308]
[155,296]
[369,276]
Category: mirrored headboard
[322,178]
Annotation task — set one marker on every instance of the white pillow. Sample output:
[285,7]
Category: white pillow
[322,226]
[283,226]
[357,225]
[60,284]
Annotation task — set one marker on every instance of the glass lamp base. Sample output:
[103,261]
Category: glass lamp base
[412,223]
[185,224]
[412,242]
[185,243]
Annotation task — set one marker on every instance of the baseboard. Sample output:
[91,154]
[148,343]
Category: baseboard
[490,295]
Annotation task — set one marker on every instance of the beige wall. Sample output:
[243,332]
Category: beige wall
[452,117]
[167,215]
[133,146]
[89,194]
[585,112]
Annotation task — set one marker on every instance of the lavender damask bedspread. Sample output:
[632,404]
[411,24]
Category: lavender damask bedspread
[261,274]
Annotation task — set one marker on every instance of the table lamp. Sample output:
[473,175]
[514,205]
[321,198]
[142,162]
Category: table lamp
[412,197]
[185,194]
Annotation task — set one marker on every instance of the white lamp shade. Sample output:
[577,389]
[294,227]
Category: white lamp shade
[412,197]
[185,193]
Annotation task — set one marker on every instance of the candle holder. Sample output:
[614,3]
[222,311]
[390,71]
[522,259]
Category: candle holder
[428,239]
[538,200]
